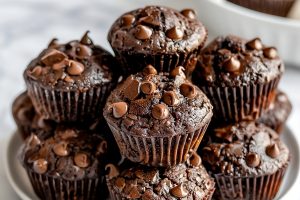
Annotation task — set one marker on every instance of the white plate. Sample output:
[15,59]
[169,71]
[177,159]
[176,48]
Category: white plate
[222,17]
[21,184]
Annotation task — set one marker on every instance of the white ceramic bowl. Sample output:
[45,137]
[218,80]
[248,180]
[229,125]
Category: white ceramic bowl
[222,17]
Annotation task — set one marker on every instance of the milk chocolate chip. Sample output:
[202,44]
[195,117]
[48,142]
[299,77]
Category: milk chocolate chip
[178,71]
[174,33]
[75,68]
[112,171]
[61,149]
[53,43]
[188,90]
[148,87]
[35,72]
[127,20]
[102,147]
[149,20]
[83,51]
[53,56]
[40,166]
[252,160]
[119,109]
[133,89]
[160,111]
[232,65]
[143,32]
[179,191]
[82,160]
[254,44]
[149,70]
[195,160]
[86,40]
[272,150]
[270,52]
[189,13]
[170,98]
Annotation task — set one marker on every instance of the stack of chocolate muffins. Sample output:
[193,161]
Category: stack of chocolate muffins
[155,100]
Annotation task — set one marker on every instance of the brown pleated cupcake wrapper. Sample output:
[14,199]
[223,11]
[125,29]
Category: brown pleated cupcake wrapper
[133,63]
[258,188]
[54,188]
[158,151]
[237,104]
[115,195]
[274,7]
[63,106]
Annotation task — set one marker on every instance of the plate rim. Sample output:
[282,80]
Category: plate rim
[24,196]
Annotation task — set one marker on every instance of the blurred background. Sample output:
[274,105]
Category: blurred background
[27,26]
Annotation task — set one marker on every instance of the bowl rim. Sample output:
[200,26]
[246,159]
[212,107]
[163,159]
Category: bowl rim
[259,16]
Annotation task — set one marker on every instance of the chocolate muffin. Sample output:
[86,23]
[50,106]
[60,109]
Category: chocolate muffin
[273,7]
[278,112]
[70,82]
[26,118]
[240,77]
[157,119]
[156,35]
[247,160]
[183,181]
[66,164]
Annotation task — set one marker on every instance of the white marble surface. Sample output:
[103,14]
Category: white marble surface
[26,26]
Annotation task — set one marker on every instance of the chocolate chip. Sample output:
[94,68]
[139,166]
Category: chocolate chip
[119,109]
[75,68]
[179,191]
[83,51]
[40,166]
[174,33]
[160,111]
[53,56]
[120,183]
[252,160]
[53,43]
[112,171]
[254,44]
[188,90]
[189,13]
[272,150]
[170,98]
[148,87]
[86,40]
[82,160]
[33,140]
[270,52]
[68,79]
[133,89]
[102,147]
[60,65]
[149,20]
[68,133]
[232,65]
[195,160]
[61,149]
[127,20]
[149,70]
[143,32]
[178,71]
[35,72]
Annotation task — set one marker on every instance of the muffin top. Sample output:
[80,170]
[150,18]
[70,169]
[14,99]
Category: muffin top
[74,65]
[25,115]
[245,149]
[183,181]
[232,62]
[278,111]
[69,153]
[150,104]
[156,30]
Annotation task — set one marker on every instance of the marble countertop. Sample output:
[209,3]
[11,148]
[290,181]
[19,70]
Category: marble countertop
[26,27]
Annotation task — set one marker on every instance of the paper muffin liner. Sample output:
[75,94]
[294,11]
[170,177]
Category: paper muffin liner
[277,7]
[115,195]
[235,104]
[258,187]
[135,62]
[158,151]
[50,188]
[74,105]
